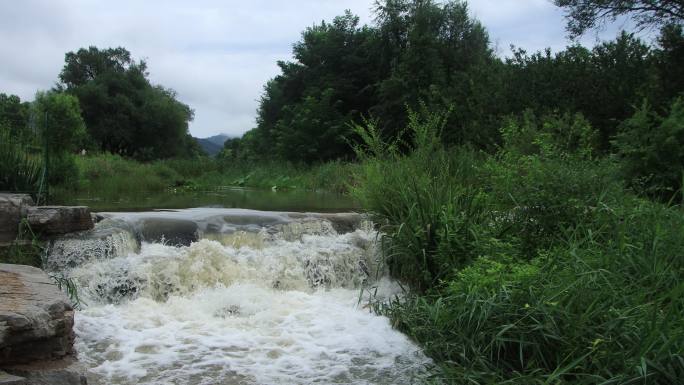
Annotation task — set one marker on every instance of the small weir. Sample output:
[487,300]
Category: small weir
[231,296]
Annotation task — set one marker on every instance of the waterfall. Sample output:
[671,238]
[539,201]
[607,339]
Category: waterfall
[238,297]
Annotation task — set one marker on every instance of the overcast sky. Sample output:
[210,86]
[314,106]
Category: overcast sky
[216,54]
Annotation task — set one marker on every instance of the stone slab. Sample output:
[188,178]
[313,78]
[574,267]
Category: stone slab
[13,207]
[66,371]
[53,220]
[36,318]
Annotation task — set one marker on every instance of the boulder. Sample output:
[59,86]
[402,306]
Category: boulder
[66,371]
[52,220]
[13,207]
[36,318]
[344,222]
[175,232]
[36,330]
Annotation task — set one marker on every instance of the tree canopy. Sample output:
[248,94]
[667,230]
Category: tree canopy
[125,113]
[423,52]
[583,15]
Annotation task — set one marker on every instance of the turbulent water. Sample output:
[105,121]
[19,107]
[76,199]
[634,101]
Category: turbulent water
[241,298]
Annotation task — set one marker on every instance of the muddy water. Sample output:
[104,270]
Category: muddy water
[241,297]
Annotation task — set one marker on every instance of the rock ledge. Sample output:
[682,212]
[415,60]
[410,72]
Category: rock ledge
[36,329]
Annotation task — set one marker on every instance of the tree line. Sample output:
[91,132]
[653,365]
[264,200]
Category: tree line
[104,101]
[434,54]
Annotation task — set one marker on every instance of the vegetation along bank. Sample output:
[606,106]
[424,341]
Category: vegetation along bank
[532,204]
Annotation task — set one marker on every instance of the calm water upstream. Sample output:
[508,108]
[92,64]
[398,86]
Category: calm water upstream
[228,197]
[233,296]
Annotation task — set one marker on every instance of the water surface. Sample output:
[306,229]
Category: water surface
[255,298]
[228,197]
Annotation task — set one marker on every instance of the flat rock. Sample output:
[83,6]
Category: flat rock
[52,220]
[13,207]
[66,371]
[36,318]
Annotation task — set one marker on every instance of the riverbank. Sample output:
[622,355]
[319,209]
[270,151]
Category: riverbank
[535,265]
[112,175]
[539,262]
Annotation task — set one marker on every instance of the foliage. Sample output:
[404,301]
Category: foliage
[58,116]
[583,15]
[109,175]
[26,249]
[437,54]
[425,215]
[105,174]
[14,115]
[19,169]
[601,83]
[418,50]
[123,111]
[652,150]
[545,270]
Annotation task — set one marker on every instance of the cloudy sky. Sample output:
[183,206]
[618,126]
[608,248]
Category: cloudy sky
[217,54]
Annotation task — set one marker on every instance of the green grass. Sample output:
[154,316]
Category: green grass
[526,267]
[331,177]
[105,175]
[19,168]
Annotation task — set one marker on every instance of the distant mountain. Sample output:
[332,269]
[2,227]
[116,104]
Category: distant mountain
[213,144]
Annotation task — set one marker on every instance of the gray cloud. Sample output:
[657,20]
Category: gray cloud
[216,54]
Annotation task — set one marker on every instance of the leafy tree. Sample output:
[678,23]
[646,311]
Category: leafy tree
[583,15]
[64,129]
[86,65]
[602,83]
[652,150]
[667,78]
[418,51]
[124,112]
[13,114]
[59,117]
[316,96]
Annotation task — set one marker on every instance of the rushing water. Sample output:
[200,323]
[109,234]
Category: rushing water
[236,297]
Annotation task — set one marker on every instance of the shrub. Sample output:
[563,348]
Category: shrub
[428,203]
[651,148]
[19,170]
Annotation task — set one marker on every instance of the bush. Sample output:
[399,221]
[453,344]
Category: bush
[532,266]
[428,202]
[651,148]
[19,170]
[602,306]
[109,175]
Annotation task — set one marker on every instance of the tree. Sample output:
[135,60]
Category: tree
[59,117]
[64,129]
[14,115]
[88,64]
[583,15]
[652,150]
[124,112]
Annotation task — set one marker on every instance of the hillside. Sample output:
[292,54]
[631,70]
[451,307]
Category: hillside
[213,144]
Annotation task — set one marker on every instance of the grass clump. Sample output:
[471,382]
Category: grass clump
[19,169]
[530,266]
[109,175]
[104,174]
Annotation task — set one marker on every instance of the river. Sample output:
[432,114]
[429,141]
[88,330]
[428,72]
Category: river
[234,296]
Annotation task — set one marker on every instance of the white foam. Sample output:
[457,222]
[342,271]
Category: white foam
[285,312]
